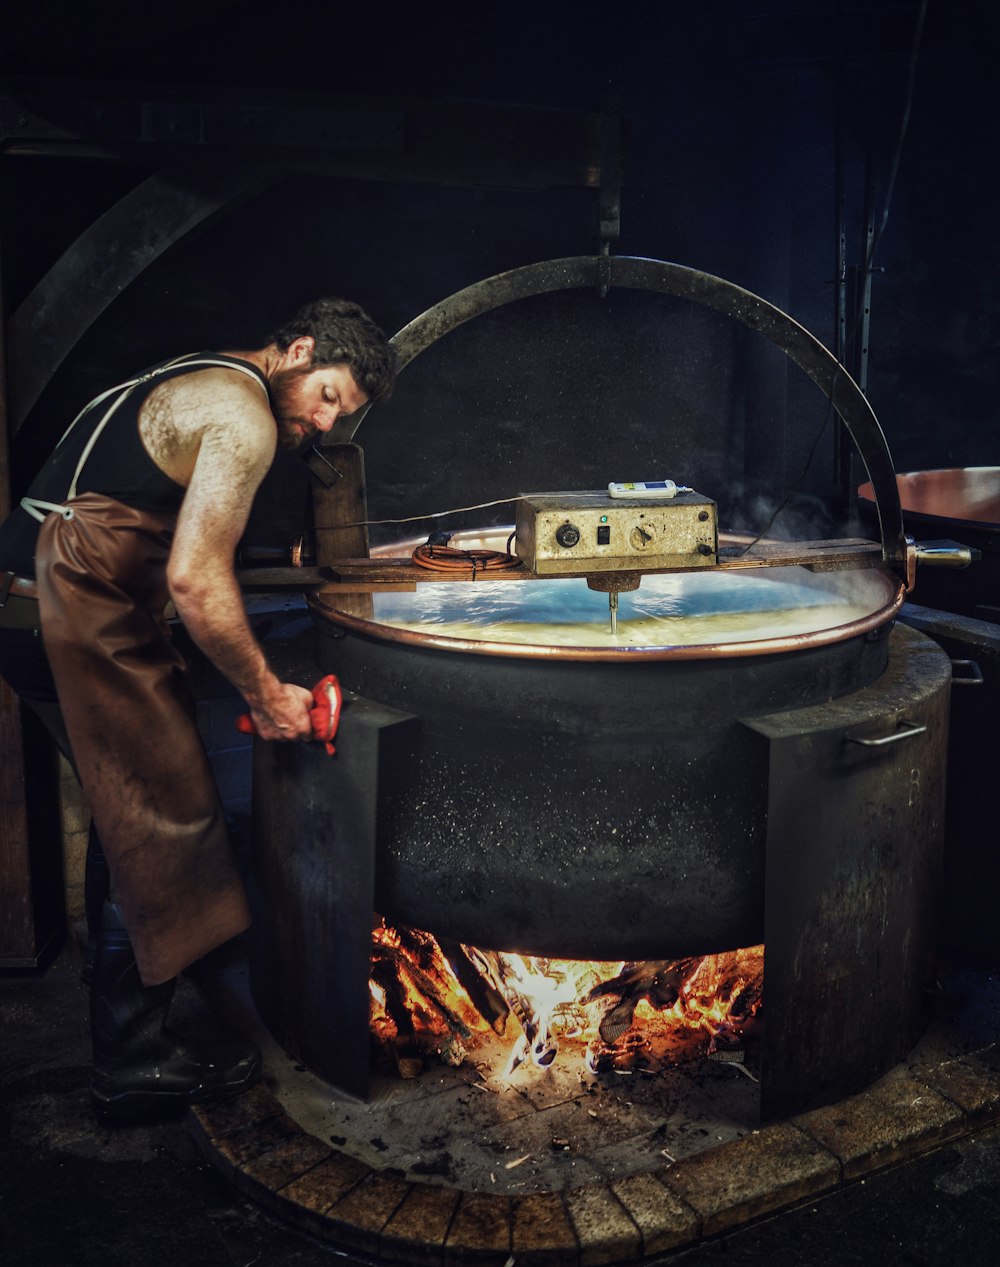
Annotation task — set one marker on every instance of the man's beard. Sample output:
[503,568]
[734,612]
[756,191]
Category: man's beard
[286,407]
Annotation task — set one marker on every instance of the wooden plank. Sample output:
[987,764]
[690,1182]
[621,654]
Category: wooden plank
[399,139]
[850,552]
[345,576]
[339,515]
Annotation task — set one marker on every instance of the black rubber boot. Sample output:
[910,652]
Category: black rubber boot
[96,887]
[140,1069]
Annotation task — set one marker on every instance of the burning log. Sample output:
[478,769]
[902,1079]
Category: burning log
[631,1054]
[413,1000]
[659,983]
[424,991]
[402,1047]
[486,998]
[440,997]
[537,1042]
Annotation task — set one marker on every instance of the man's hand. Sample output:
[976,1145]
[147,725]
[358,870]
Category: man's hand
[283,713]
[326,698]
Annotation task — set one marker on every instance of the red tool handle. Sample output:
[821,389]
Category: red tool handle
[328,700]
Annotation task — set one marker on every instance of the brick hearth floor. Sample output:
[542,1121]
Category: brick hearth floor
[564,1168]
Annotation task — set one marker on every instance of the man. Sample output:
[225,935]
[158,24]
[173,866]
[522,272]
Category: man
[144,500]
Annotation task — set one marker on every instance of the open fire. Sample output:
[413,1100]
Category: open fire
[437,999]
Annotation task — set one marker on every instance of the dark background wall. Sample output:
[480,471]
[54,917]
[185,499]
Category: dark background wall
[733,117]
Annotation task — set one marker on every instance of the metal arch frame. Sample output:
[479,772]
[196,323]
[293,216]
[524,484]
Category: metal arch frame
[637,273]
[107,257]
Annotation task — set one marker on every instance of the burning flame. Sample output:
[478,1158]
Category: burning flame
[429,997]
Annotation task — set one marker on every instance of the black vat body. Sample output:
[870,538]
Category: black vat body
[829,809]
[576,808]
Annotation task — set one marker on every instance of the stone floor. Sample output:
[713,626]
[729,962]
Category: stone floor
[914,1179]
[460,1168]
[478,1128]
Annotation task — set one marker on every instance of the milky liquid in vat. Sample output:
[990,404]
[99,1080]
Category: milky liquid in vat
[689,609]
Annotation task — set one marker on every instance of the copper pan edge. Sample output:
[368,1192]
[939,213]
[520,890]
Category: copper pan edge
[698,651]
[966,496]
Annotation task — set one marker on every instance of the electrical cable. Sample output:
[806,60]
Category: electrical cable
[438,514]
[447,559]
[444,553]
[869,257]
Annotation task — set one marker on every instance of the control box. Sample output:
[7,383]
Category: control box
[594,532]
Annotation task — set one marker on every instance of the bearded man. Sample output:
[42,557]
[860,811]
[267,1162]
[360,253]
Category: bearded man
[143,501]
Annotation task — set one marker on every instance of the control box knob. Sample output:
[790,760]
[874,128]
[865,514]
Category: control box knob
[568,535]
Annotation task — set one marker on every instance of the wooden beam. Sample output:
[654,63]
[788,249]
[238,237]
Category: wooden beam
[339,514]
[367,138]
[27,926]
[379,575]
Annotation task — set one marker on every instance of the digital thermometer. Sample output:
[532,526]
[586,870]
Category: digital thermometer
[651,489]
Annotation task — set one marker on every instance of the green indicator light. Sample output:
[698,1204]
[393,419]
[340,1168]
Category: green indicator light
[604,519]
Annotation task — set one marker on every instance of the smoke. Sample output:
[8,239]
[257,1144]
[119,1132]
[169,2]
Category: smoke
[798,517]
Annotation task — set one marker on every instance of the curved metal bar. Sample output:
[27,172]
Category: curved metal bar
[106,258]
[637,273]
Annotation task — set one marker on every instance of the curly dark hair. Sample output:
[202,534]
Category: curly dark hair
[344,334]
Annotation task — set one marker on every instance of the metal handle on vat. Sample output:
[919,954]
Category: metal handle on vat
[974,677]
[946,554]
[886,739]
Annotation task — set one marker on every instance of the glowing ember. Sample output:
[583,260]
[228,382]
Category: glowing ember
[447,998]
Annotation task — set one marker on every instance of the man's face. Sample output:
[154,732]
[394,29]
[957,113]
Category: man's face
[308,401]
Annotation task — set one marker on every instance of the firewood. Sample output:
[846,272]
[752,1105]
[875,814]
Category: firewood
[425,984]
[486,998]
[659,983]
[404,1048]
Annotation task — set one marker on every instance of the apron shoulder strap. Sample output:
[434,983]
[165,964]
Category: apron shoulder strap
[38,508]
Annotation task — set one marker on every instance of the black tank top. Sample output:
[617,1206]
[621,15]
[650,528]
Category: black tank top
[118,466]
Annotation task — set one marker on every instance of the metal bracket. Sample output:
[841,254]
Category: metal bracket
[321,467]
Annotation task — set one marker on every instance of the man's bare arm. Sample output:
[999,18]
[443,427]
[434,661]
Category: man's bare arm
[236,450]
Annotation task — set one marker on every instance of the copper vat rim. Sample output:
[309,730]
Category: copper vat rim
[894,588]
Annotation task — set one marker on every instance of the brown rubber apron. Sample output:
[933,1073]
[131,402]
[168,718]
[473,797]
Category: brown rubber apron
[129,713]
